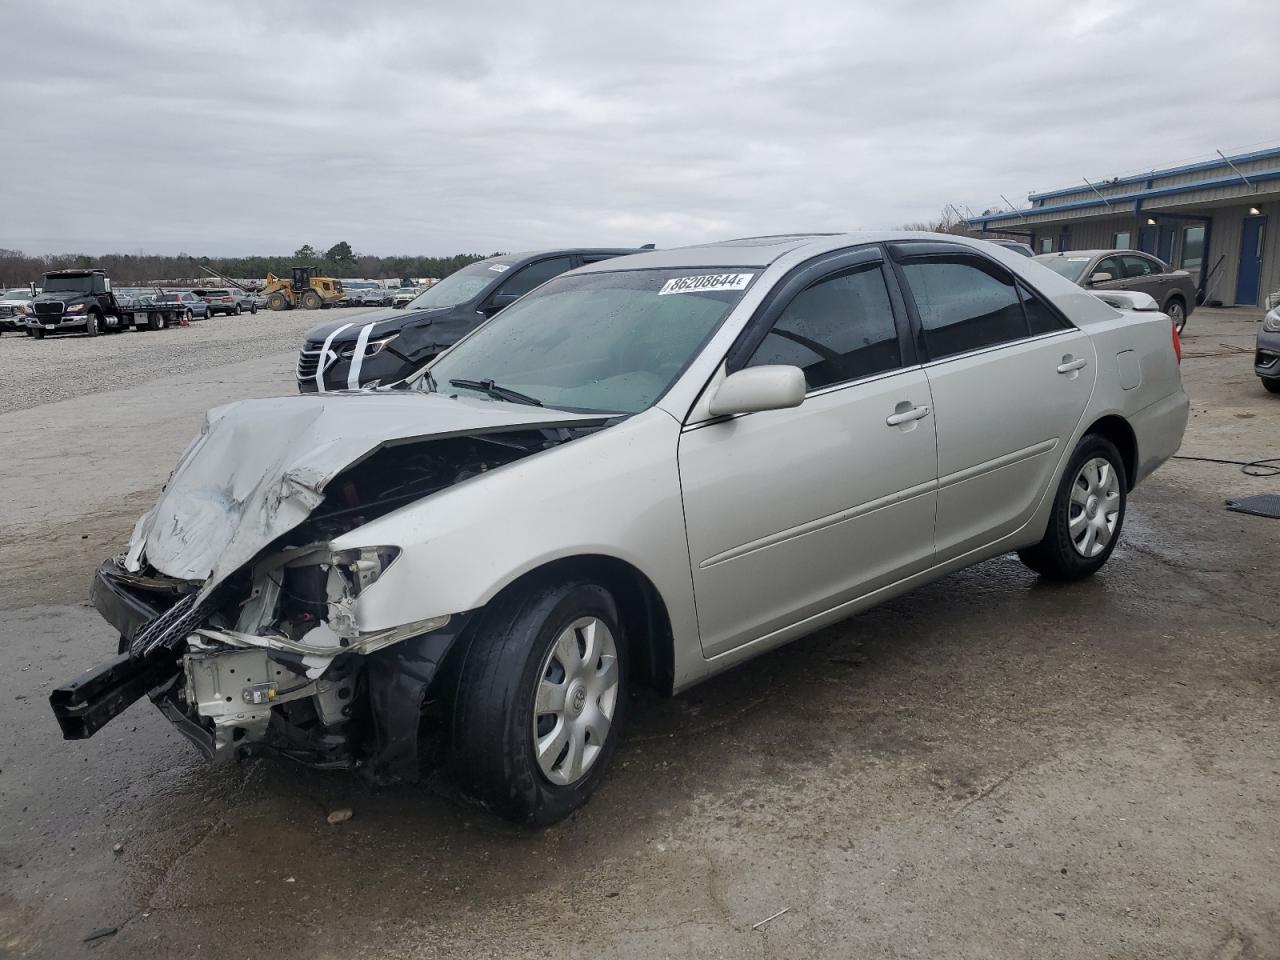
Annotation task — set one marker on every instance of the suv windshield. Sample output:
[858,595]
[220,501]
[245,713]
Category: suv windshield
[1069,267]
[458,287]
[599,342]
[81,284]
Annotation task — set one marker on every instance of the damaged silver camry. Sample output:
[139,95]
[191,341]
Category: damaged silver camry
[646,471]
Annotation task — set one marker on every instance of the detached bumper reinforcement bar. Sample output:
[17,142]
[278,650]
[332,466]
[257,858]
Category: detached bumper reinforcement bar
[86,704]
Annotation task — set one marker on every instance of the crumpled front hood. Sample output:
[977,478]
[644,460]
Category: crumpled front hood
[259,467]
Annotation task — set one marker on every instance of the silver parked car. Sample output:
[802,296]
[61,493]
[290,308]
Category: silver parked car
[1111,270]
[643,472]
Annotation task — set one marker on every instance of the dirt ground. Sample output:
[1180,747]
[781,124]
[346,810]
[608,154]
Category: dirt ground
[990,767]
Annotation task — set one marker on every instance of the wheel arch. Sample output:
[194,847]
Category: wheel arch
[1117,429]
[641,609]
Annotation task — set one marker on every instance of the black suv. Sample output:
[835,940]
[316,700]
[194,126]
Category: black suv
[390,345]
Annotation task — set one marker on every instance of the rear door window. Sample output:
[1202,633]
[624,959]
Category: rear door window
[839,328]
[1041,318]
[965,303]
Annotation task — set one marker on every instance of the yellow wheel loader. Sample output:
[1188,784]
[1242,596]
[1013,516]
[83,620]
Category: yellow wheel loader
[304,290]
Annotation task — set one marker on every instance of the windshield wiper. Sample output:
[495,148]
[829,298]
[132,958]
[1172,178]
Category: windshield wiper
[497,392]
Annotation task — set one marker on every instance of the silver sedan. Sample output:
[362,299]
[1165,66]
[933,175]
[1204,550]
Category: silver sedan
[643,472]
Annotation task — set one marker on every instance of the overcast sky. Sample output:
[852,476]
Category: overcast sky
[227,128]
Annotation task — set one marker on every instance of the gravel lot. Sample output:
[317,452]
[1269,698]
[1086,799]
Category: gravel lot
[72,365]
[991,767]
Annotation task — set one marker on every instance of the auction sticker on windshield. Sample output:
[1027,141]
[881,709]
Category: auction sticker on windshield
[706,281]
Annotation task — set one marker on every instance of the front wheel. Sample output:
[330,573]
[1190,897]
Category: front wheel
[541,700]
[1272,384]
[1088,513]
[91,325]
[253,309]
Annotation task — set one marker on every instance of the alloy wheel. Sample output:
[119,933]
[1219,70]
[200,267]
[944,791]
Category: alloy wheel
[1095,507]
[575,701]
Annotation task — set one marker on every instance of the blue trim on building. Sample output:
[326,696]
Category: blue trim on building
[1137,195]
[1170,172]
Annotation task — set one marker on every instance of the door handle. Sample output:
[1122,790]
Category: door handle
[1071,366]
[906,416]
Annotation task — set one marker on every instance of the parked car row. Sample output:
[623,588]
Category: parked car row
[84,301]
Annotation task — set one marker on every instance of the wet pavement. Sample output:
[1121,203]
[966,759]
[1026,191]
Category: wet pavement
[988,767]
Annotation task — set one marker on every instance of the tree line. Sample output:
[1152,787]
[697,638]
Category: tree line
[18,269]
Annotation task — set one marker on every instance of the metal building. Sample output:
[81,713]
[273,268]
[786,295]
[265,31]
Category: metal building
[1219,220]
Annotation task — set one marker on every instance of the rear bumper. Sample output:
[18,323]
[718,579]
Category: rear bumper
[1159,429]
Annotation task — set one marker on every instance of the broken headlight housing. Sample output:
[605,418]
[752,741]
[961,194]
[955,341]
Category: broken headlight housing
[361,566]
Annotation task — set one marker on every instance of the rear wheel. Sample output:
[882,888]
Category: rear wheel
[310,300]
[156,321]
[1177,311]
[1088,514]
[541,700]
[187,316]
[1272,384]
[239,309]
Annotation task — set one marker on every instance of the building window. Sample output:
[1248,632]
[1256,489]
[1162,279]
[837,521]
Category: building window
[1121,240]
[1192,248]
[1046,244]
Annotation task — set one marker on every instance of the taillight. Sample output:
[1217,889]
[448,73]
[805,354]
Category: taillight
[1177,341]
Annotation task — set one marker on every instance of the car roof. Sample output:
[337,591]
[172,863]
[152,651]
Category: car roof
[764,251]
[519,258]
[1091,254]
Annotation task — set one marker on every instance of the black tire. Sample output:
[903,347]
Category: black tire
[38,333]
[1177,311]
[253,309]
[156,321]
[493,718]
[1272,384]
[310,300]
[1055,557]
[93,324]
[239,309]
[278,301]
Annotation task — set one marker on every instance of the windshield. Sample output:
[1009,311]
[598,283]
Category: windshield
[16,295]
[1069,267]
[82,284]
[599,342]
[458,287]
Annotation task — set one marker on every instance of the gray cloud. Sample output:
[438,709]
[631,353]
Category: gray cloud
[223,128]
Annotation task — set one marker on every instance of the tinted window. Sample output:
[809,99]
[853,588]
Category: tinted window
[1040,316]
[964,304]
[1121,240]
[1109,265]
[534,275]
[1138,266]
[841,328]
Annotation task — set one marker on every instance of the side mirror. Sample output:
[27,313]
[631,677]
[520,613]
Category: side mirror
[758,388]
[1101,277]
[497,302]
